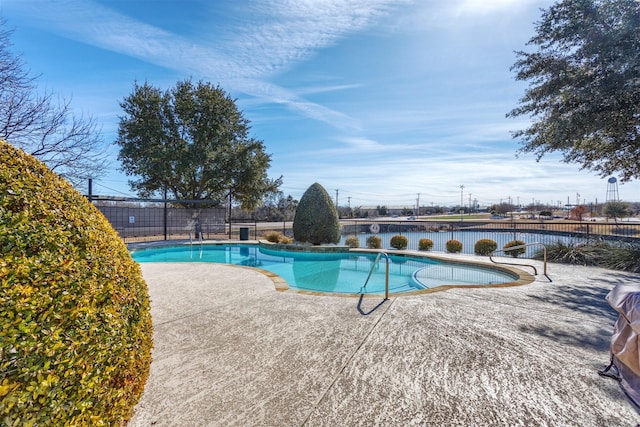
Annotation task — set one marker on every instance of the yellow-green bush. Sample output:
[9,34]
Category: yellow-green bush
[285,240]
[352,242]
[515,252]
[453,246]
[485,247]
[425,244]
[399,242]
[276,237]
[273,236]
[374,242]
[75,325]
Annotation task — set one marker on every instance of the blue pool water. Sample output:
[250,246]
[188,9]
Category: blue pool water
[332,272]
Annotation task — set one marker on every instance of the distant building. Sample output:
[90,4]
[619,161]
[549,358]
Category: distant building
[398,210]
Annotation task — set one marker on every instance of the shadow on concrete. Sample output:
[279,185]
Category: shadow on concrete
[598,341]
[588,299]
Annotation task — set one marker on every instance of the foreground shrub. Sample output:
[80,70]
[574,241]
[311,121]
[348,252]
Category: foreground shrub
[453,246]
[399,242]
[425,244]
[76,330]
[616,256]
[374,242]
[515,252]
[572,253]
[485,247]
[316,219]
[623,257]
[352,242]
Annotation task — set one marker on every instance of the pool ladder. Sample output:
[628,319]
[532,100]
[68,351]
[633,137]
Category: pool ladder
[386,283]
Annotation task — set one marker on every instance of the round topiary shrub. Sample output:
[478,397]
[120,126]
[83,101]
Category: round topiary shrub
[374,242]
[453,246]
[316,219]
[352,242]
[76,333]
[485,247]
[425,244]
[399,242]
[515,252]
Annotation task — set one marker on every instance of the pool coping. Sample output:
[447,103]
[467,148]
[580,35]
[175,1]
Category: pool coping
[281,285]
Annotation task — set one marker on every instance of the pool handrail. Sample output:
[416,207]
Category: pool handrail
[386,284]
[199,238]
[512,248]
[386,277]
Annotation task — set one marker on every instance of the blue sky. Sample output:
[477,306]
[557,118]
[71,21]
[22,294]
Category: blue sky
[386,101]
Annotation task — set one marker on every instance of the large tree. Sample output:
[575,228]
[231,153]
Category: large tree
[583,97]
[44,126]
[193,143]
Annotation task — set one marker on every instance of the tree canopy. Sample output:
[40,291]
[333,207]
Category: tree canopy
[616,209]
[42,126]
[192,142]
[584,86]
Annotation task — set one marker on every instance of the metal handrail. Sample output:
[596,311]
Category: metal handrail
[386,278]
[375,261]
[512,248]
[199,239]
[386,284]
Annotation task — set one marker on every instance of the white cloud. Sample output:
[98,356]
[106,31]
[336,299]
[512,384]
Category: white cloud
[275,35]
[481,7]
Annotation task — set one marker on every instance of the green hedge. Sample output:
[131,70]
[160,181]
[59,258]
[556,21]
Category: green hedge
[374,242]
[485,247]
[352,242]
[425,244]
[399,242]
[453,246]
[515,252]
[76,332]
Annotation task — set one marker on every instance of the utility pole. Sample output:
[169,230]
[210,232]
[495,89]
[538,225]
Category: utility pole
[418,206]
[461,201]
[336,198]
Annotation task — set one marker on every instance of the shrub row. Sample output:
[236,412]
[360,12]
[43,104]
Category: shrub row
[482,246]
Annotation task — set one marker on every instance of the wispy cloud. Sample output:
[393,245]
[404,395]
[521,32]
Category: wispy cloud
[274,35]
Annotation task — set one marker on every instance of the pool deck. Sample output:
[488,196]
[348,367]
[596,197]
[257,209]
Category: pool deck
[232,350]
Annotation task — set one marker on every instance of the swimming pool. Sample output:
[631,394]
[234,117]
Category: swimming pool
[342,272]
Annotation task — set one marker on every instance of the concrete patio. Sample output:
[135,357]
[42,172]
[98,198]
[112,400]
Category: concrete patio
[230,350]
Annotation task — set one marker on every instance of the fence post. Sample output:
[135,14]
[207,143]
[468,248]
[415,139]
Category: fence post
[165,212]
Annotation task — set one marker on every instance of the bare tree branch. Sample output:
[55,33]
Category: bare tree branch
[45,127]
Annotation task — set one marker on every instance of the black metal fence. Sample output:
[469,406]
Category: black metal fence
[139,220]
[501,231]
